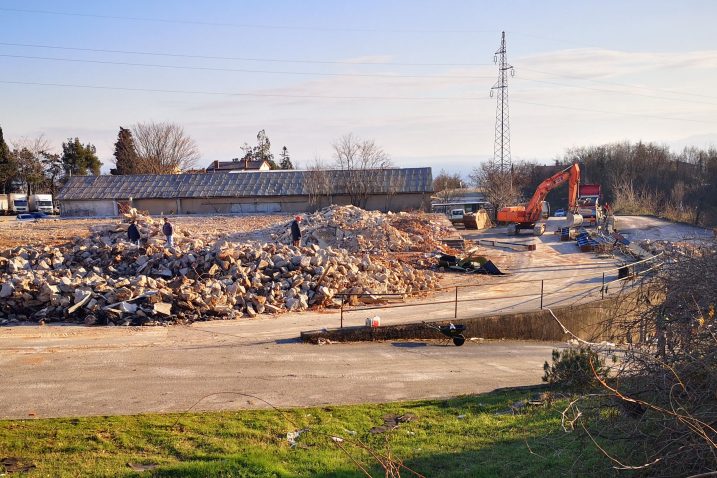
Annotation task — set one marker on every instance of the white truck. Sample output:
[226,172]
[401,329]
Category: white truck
[17,203]
[41,203]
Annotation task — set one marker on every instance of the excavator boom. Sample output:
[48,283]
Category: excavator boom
[531,212]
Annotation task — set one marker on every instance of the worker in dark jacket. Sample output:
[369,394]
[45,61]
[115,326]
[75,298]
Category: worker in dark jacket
[168,232]
[133,233]
[296,231]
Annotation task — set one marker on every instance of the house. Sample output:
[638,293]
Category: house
[394,189]
[237,165]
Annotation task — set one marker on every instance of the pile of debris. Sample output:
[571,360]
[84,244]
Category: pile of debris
[105,280]
[358,230]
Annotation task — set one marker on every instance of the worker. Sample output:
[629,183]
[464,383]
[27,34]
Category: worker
[168,232]
[296,231]
[133,233]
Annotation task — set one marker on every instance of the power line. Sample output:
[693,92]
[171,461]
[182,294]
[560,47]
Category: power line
[237,58]
[681,100]
[260,95]
[238,25]
[590,110]
[365,75]
[624,85]
[237,70]
[280,95]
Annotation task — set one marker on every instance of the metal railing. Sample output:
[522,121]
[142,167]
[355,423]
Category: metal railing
[629,272]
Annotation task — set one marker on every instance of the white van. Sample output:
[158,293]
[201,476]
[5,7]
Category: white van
[456,215]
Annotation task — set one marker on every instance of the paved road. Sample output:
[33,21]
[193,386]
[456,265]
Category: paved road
[169,370]
[71,370]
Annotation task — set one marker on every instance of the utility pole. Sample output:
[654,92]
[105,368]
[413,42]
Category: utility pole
[501,148]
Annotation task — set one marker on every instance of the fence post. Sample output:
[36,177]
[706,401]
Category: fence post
[602,289]
[455,311]
[542,283]
[342,311]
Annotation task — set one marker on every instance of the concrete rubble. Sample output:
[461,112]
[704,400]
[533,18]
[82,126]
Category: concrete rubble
[357,230]
[103,279]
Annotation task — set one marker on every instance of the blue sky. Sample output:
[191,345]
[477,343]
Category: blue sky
[414,76]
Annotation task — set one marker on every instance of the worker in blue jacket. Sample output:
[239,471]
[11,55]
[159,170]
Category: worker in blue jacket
[168,231]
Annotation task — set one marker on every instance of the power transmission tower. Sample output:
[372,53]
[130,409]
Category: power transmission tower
[501,148]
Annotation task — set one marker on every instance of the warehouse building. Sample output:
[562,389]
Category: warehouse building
[249,192]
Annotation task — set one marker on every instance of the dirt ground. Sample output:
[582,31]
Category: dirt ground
[51,232]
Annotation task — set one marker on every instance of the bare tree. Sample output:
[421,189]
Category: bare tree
[163,148]
[498,186]
[361,161]
[28,156]
[318,182]
[447,186]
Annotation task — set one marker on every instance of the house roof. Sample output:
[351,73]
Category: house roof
[249,184]
[240,164]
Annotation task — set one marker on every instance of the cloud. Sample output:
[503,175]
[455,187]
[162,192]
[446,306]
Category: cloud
[604,63]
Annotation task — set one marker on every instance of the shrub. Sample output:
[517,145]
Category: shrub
[571,369]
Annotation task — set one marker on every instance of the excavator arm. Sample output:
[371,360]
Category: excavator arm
[571,174]
[530,213]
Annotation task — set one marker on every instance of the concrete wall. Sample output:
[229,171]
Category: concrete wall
[268,204]
[594,321]
[105,207]
[156,206]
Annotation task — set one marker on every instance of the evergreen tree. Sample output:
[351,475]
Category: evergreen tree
[8,168]
[285,159]
[125,154]
[262,152]
[79,159]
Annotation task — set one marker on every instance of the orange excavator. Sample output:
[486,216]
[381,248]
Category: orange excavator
[530,215]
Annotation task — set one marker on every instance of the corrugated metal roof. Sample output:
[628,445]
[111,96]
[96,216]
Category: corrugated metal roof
[248,184]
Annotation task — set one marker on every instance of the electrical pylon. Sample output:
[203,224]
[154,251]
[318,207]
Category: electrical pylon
[501,148]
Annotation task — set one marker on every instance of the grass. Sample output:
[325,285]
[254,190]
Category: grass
[460,437]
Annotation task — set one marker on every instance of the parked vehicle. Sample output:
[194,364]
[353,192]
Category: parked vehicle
[41,203]
[559,213]
[456,215]
[18,203]
[32,215]
[3,204]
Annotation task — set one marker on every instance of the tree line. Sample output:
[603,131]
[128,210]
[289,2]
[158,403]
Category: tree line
[636,178]
[29,165]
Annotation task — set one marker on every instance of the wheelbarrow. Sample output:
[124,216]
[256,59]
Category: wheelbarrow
[451,332]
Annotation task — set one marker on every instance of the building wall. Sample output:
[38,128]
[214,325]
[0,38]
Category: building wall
[156,206]
[103,207]
[269,204]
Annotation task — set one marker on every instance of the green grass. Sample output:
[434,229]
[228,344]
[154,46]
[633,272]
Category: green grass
[481,443]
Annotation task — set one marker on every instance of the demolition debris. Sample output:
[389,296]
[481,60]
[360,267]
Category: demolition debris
[102,279]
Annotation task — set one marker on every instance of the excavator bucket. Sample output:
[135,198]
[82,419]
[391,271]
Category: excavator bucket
[574,219]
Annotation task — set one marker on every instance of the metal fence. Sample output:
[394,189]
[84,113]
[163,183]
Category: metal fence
[462,293]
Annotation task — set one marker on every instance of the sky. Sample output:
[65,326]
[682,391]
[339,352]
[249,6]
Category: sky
[414,76]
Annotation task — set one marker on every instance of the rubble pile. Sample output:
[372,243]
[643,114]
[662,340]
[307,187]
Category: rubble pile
[671,248]
[103,279]
[358,230]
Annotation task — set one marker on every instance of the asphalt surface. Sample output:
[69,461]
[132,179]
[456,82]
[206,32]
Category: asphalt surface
[50,371]
[179,369]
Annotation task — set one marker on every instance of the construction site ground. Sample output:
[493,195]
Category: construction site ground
[63,370]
